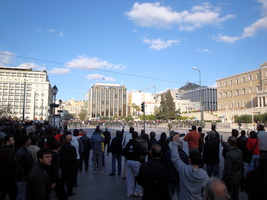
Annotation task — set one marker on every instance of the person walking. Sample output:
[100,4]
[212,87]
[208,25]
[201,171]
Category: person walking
[96,143]
[132,153]
[116,149]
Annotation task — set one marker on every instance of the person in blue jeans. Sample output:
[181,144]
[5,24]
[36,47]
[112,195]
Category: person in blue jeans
[116,149]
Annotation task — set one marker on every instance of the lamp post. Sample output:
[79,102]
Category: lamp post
[154,97]
[55,90]
[60,111]
[201,96]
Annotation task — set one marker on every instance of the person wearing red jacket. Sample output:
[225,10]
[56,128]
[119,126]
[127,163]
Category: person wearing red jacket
[252,143]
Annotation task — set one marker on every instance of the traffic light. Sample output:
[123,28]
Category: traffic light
[143,107]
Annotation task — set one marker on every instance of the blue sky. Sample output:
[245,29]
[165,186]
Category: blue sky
[135,43]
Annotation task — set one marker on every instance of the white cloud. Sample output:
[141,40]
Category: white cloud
[6,57]
[213,85]
[203,50]
[32,65]
[100,77]
[59,71]
[156,15]
[51,30]
[159,44]
[91,63]
[251,30]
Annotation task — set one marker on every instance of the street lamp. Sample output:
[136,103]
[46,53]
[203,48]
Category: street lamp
[60,111]
[201,96]
[55,90]
[154,97]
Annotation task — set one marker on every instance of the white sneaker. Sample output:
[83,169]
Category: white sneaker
[138,194]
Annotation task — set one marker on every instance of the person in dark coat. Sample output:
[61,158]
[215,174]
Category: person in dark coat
[8,185]
[116,150]
[153,177]
[54,173]
[106,133]
[24,165]
[255,181]
[38,185]
[68,164]
[211,155]
[233,168]
[163,143]
[173,174]
[86,143]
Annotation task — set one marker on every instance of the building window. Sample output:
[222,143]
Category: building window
[244,104]
[225,94]
[237,92]
[219,84]
[243,79]
[232,105]
[225,83]
[237,105]
[250,77]
[230,82]
[236,80]
[243,91]
[230,93]
[220,95]
[257,76]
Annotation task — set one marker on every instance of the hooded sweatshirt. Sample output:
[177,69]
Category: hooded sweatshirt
[191,180]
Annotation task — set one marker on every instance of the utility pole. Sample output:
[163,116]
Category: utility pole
[143,105]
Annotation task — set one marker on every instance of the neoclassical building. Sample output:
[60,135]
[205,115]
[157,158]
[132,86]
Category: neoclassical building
[243,91]
[106,100]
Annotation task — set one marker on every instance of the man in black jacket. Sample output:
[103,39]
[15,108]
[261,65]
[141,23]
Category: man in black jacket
[24,165]
[68,164]
[153,177]
[233,168]
[8,185]
[38,184]
[86,143]
[211,154]
[132,153]
[116,150]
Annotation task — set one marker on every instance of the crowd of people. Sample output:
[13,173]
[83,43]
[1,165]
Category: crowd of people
[36,159]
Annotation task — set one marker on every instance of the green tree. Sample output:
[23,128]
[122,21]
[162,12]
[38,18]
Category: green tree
[167,107]
[82,115]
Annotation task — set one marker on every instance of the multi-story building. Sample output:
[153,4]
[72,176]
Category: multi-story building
[136,98]
[243,91]
[25,93]
[206,95]
[106,100]
[186,106]
[73,107]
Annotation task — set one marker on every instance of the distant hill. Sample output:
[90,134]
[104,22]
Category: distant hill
[189,86]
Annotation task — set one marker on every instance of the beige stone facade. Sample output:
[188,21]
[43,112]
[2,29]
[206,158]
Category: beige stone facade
[243,92]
